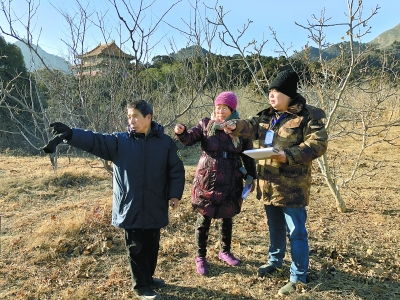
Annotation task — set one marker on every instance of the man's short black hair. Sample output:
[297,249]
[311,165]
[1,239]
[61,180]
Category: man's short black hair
[142,106]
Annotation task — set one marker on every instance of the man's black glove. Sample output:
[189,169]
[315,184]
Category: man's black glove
[52,144]
[61,129]
[61,132]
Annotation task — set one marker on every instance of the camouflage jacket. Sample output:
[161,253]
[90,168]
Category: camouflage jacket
[302,136]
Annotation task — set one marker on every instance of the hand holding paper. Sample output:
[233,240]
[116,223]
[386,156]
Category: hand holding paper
[280,156]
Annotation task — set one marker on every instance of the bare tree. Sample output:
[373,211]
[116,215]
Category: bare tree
[183,89]
[356,103]
[98,102]
[332,87]
[25,104]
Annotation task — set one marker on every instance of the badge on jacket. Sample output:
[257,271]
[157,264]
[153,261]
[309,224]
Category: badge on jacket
[179,155]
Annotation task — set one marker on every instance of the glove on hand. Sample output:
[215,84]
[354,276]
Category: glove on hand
[62,129]
[52,144]
[61,132]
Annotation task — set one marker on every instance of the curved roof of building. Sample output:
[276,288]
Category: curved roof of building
[107,49]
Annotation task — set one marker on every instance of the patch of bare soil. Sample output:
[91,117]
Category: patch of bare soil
[57,241]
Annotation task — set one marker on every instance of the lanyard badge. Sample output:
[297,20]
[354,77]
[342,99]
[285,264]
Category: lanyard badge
[269,138]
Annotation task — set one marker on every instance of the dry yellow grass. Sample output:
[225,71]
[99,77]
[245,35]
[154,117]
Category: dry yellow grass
[57,241]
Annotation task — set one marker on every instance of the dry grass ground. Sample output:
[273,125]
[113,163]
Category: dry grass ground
[57,241]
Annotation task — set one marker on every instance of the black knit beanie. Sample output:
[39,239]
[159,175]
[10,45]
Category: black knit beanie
[285,82]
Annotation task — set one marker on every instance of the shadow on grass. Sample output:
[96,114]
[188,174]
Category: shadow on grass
[339,285]
[391,212]
[197,293]
[332,279]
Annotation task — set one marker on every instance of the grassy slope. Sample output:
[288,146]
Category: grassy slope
[57,241]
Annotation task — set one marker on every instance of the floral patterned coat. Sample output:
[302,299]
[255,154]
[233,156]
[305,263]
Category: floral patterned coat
[218,182]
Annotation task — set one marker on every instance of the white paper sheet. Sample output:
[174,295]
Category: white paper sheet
[261,153]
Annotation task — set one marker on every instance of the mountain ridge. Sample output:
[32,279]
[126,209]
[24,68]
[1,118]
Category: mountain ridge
[33,63]
[387,38]
[382,41]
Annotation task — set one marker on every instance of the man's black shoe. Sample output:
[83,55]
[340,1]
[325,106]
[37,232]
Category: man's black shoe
[266,269]
[149,295]
[158,283]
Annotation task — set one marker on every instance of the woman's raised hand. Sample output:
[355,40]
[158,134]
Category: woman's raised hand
[228,126]
[179,129]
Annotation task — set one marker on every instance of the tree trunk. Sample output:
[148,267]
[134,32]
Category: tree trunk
[53,160]
[324,167]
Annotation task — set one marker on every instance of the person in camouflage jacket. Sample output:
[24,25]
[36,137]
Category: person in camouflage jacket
[297,131]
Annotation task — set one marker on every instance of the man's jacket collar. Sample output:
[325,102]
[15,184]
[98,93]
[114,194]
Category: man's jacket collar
[156,130]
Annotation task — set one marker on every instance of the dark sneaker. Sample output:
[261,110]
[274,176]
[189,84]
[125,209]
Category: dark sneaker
[266,269]
[158,283]
[201,265]
[149,295]
[228,258]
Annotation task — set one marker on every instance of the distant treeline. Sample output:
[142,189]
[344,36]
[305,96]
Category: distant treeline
[217,72]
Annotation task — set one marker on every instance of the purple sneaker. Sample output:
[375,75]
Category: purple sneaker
[201,265]
[228,258]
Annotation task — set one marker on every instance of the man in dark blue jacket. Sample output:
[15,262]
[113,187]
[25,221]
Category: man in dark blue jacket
[148,175]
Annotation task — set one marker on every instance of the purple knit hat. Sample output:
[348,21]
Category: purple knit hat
[227,98]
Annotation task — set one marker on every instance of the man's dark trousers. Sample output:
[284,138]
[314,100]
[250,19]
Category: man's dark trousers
[142,246]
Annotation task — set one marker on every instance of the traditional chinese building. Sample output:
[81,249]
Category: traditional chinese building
[103,59]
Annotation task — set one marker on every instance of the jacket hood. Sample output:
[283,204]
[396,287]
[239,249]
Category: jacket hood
[297,104]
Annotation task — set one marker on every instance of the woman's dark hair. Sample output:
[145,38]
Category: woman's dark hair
[142,106]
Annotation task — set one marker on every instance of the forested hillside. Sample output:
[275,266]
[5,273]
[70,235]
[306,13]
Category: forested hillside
[164,76]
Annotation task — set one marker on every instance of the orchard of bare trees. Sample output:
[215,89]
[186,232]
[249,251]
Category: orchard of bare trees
[357,88]
[360,101]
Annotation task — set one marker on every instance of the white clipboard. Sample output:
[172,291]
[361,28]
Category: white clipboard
[261,153]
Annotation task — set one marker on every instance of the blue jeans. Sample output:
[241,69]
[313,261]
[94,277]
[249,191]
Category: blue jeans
[293,221]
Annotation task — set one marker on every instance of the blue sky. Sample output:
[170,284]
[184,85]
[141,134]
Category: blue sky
[280,16]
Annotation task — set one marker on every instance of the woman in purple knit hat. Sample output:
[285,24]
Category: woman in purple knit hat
[218,182]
